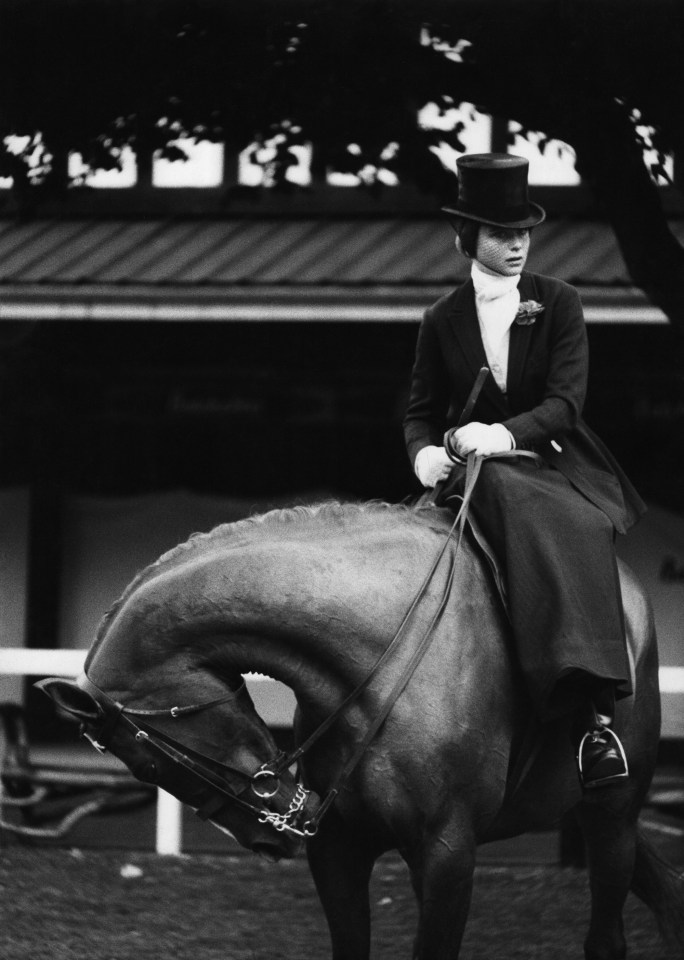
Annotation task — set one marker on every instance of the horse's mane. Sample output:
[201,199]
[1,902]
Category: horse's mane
[275,523]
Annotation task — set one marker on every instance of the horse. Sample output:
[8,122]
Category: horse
[414,732]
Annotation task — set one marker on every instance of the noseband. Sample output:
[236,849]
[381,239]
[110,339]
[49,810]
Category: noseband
[220,785]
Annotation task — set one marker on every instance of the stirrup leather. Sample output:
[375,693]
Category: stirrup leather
[589,735]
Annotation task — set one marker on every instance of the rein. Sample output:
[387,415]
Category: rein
[472,473]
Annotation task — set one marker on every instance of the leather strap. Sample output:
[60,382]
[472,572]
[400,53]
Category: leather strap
[472,397]
[86,684]
[472,473]
[296,754]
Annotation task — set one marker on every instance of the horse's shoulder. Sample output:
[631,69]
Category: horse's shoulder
[634,593]
[639,619]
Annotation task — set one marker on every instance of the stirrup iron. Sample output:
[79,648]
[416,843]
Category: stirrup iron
[593,735]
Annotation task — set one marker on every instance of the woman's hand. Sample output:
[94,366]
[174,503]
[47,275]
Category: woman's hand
[432,465]
[483,439]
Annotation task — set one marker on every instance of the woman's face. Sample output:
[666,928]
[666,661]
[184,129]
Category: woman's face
[502,250]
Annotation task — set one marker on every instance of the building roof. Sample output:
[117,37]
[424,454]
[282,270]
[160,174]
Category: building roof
[278,269]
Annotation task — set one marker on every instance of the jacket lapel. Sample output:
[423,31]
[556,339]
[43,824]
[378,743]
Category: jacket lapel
[521,337]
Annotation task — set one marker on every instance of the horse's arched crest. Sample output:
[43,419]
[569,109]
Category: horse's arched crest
[279,522]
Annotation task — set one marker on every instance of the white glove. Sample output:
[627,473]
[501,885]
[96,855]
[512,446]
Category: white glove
[432,465]
[483,438]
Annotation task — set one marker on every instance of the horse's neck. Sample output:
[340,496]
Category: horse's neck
[315,616]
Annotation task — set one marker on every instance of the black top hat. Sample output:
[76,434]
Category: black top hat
[492,188]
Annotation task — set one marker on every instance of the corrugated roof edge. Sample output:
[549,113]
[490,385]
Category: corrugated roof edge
[268,304]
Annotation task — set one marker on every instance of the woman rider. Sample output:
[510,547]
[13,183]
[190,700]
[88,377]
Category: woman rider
[552,519]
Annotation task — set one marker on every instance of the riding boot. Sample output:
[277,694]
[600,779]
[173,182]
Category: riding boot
[600,757]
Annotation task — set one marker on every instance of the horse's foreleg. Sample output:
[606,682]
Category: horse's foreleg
[341,866]
[442,875]
[611,843]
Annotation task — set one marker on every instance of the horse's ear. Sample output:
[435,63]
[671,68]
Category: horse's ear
[68,697]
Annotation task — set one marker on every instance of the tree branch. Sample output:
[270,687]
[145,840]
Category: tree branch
[610,160]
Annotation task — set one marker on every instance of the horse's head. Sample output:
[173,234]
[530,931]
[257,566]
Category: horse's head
[213,753]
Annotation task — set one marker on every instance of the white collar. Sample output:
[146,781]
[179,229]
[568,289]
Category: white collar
[491,286]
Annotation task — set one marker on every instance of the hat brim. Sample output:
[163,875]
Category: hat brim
[534,219]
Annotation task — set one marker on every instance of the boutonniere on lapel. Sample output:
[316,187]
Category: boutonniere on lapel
[528,311]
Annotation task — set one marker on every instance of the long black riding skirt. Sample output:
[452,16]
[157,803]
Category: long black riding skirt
[563,587]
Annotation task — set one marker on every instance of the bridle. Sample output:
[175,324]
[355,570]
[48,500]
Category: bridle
[223,785]
[220,784]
